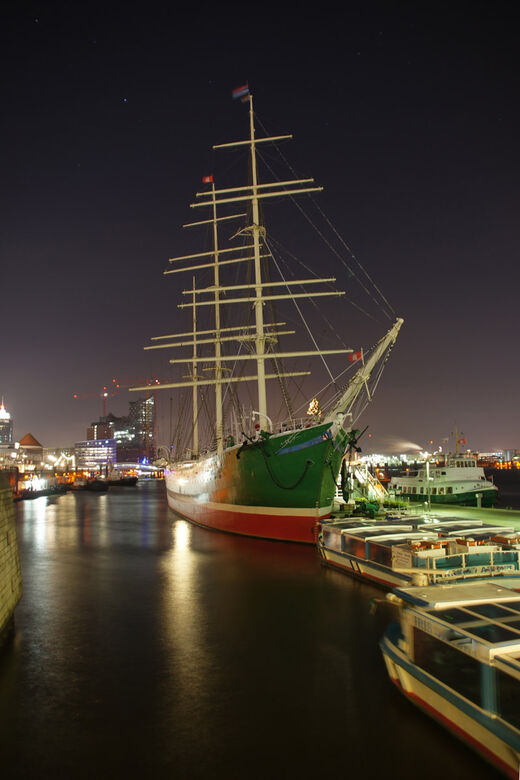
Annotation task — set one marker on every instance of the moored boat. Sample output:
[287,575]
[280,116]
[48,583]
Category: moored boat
[122,481]
[421,550]
[117,478]
[455,479]
[258,475]
[455,652]
[93,484]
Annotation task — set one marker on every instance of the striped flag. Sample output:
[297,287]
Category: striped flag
[207,179]
[354,356]
[241,92]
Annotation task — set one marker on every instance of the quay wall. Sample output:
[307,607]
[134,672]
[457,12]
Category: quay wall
[10,570]
[506,517]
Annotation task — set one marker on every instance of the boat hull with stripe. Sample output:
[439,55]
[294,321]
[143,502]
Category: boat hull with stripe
[456,714]
[278,487]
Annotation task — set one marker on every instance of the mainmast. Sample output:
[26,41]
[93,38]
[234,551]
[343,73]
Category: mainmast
[259,310]
[218,364]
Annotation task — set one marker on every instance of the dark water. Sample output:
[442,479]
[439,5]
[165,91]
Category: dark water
[146,647]
[508,484]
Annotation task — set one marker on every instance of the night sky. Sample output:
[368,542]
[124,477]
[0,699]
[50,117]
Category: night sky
[408,116]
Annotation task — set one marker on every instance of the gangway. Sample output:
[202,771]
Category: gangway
[361,484]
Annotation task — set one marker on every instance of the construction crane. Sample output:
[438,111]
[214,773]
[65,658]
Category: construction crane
[111,390]
[107,392]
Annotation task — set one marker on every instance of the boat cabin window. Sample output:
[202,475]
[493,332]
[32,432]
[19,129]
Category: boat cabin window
[492,623]
[492,632]
[422,490]
[448,664]
[492,611]
[380,553]
[453,615]
[513,606]
[354,546]
[441,491]
[434,491]
[508,690]
[449,490]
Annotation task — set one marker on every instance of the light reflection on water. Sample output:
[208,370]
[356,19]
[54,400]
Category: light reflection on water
[149,647]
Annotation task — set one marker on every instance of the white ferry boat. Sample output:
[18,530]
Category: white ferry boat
[456,479]
[455,652]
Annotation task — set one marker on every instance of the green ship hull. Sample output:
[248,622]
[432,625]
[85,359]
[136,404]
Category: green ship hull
[276,487]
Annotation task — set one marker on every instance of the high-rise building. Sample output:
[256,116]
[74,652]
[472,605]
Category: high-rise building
[142,422]
[134,435]
[6,425]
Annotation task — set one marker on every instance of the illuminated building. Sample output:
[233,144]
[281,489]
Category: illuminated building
[134,435]
[95,454]
[30,452]
[142,421]
[59,458]
[100,430]
[6,426]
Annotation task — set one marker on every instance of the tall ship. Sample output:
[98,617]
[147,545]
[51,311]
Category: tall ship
[248,470]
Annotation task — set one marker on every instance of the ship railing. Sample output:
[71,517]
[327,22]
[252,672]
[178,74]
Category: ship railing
[295,424]
[237,429]
[466,565]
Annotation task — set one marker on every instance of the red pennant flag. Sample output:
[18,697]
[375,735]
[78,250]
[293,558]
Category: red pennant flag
[241,92]
[354,356]
[207,179]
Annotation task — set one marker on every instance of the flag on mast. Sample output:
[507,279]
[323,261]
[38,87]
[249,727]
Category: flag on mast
[354,356]
[207,179]
[241,92]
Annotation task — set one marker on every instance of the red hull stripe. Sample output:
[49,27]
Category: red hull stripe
[282,527]
[463,735]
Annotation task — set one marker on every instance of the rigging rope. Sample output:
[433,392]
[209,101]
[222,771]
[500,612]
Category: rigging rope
[299,311]
[332,227]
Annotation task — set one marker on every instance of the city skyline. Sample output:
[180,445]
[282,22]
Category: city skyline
[408,120]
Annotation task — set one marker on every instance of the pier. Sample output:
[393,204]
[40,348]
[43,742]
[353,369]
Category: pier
[488,515]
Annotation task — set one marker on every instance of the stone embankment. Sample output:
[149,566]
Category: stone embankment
[10,571]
